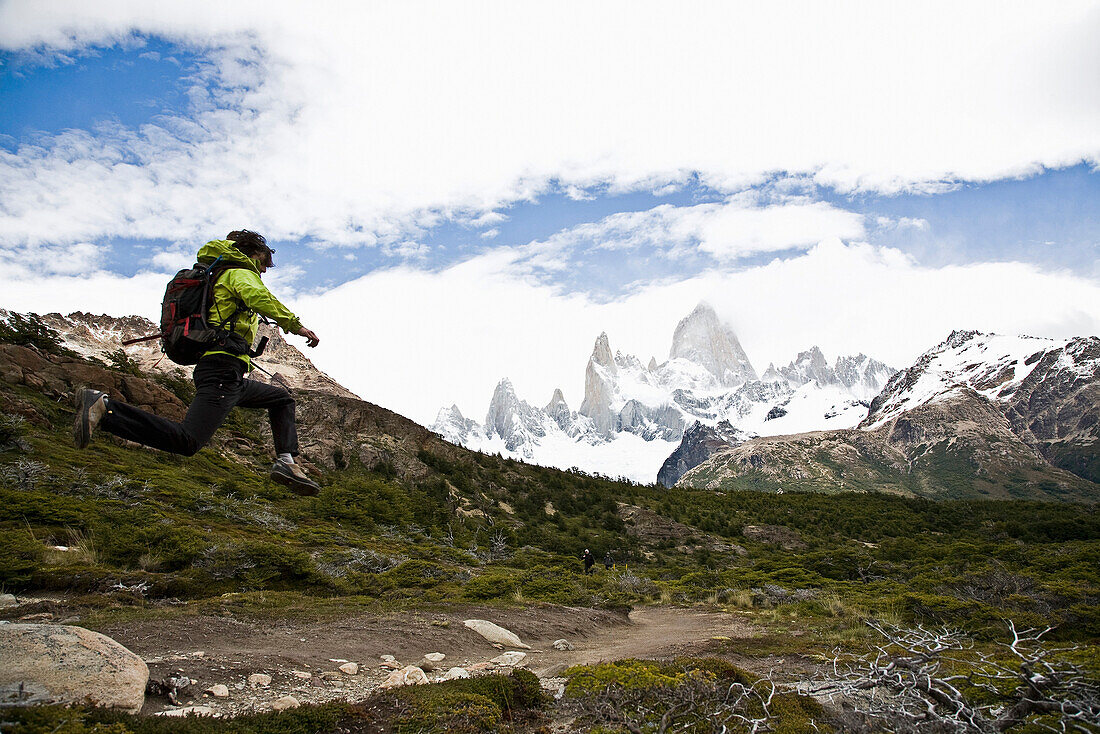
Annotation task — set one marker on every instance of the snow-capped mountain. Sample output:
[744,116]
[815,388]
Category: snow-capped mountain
[977,415]
[633,415]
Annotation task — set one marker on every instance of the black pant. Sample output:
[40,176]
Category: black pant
[219,386]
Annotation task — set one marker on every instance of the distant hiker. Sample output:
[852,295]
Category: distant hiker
[589,561]
[238,298]
[608,561]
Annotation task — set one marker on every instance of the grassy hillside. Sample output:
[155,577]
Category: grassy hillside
[408,521]
[447,525]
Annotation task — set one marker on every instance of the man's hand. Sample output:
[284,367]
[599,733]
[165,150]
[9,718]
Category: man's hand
[311,338]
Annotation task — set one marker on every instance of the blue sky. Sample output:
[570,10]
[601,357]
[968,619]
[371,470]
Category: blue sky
[565,161]
[1050,218]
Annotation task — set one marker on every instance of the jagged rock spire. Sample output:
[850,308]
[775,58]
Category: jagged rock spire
[599,386]
[702,338]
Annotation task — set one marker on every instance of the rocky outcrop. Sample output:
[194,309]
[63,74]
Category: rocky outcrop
[514,420]
[58,376]
[97,336]
[332,429]
[1056,408]
[69,665]
[699,443]
[702,338]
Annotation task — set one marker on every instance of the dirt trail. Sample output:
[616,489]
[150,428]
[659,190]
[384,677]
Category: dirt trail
[303,659]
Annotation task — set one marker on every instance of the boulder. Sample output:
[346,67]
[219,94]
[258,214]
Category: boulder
[259,680]
[349,668]
[455,673]
[218,691]
[73,665]
[407,676]
[286,702]
[562,645]
[495,633]
[8,600]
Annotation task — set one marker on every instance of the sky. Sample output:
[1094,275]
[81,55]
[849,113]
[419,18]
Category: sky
[464,192]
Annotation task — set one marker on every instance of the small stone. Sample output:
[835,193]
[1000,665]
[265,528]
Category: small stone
[187,711]
[388,659]
[562,645]
[218,691]
[286,702]
[330,675]
[350,668]
[435,657]
[303,674]
[511,659]
[479,666]
[455,673]
[259,680]
[390,665]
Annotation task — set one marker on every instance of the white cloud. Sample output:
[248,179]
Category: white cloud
[727,230]
[414,341]
[902,223]
[430,339]
[490,233]
[372,120]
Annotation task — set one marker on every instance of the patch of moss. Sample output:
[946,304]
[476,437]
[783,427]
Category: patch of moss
[482,704]
[80,720]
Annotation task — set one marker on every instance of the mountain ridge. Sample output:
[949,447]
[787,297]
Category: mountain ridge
[634,415]
[1019,415]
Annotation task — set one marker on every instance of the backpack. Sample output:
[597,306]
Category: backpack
[185,332]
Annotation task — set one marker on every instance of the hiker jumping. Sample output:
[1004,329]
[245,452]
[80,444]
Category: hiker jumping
[237,299]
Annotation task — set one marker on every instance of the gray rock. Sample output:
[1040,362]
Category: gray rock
[511,659]
[562,645]
[495,633]
[456,673]
[407,676]
[286,702]
[187,711]
[259,680]
[72,665]
[8,600]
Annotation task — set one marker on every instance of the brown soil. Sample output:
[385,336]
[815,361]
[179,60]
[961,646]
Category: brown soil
[213,650]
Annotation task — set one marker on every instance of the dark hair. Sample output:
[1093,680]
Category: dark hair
[251,243]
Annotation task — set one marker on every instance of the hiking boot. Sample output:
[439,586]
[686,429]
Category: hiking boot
[292,476]
[91,406]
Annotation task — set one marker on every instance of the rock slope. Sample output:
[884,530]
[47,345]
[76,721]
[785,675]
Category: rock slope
[977,415]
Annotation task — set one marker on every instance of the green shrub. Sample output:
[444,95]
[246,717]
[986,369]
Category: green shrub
[20,555]
[481,704]
[490,585]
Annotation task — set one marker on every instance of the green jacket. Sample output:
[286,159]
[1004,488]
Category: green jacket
[243,286]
